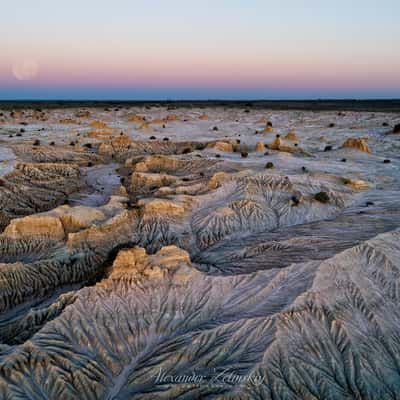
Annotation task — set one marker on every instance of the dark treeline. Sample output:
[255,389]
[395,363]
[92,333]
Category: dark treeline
[306,105]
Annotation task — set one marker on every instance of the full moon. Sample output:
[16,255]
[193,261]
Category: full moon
[25,70]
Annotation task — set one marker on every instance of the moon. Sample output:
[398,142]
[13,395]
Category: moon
[25,70]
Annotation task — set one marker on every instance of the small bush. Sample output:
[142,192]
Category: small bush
[269,165]
[322,197]
[295,200]
[200,146]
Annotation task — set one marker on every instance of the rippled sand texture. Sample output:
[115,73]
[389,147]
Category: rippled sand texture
[193,253]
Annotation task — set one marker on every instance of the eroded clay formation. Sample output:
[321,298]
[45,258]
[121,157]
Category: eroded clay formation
[199,253]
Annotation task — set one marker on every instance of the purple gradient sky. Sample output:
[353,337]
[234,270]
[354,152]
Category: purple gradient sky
[200,50]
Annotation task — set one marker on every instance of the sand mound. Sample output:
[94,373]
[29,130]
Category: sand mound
[136,118]
[358,144]
[292,136]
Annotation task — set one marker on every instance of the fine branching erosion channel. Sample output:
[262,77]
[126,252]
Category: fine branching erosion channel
[201,250]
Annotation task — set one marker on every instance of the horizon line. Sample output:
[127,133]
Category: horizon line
[200,100]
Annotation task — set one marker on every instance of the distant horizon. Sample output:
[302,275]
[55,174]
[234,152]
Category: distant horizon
[185,100]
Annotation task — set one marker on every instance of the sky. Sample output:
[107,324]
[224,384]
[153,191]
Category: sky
[220,49]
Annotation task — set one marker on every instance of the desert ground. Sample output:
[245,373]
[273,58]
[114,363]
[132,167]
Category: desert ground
[204,252]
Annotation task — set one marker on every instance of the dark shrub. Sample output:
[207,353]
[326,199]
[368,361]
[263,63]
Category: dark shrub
[322,197]
[200,146]
[295,200]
